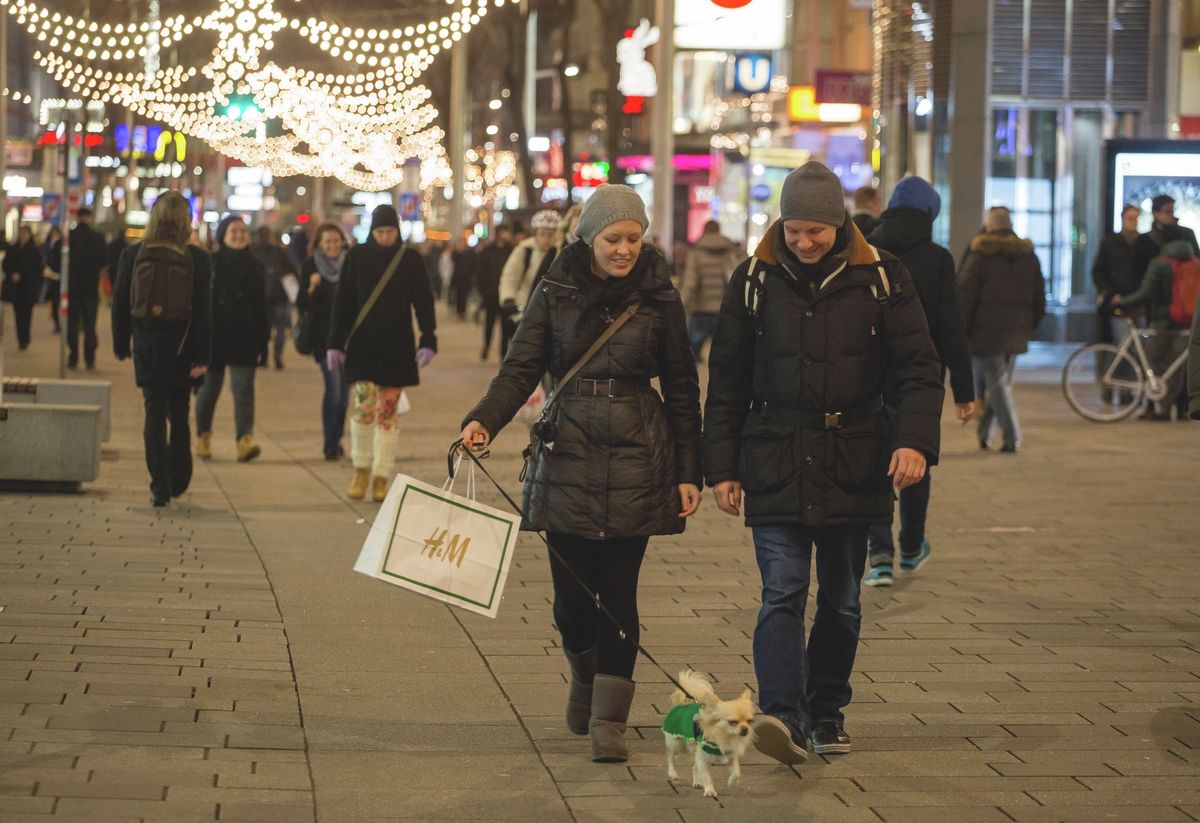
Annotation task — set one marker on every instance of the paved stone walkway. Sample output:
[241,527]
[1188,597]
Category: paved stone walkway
[220,660]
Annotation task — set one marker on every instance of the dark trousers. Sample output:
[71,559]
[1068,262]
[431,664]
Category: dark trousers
[610,569]
[491,319]
[168,456]
[805,683]
[701,328]
[333,406]
[281,324]
[82,309]
[53,296]
[460,295]
[23,310]
[914,506]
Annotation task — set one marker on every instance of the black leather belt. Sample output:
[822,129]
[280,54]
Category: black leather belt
[608,387]
[818,420]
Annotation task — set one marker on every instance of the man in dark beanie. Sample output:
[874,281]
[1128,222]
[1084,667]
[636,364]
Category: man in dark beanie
[906,230]
[815,329]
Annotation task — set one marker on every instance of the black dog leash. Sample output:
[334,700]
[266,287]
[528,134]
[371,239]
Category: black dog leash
[458,446]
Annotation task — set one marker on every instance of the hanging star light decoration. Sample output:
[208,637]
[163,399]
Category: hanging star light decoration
[360,127]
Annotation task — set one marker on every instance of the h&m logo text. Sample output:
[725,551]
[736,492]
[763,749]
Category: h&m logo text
[453,552]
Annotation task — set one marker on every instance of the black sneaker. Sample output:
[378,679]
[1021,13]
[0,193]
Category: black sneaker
[829,737]
[776,740]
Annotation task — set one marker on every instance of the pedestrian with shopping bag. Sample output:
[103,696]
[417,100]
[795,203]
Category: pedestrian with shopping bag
[382,285]
[610,462]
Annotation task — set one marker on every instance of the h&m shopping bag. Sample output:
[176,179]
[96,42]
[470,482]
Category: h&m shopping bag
[440,544]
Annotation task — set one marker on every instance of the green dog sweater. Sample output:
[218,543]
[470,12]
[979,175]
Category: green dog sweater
[682,722]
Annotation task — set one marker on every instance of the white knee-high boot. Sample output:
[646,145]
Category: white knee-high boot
[387,443]
[362,442]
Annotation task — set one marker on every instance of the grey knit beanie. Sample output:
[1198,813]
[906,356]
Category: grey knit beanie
[607,205]
[813,192]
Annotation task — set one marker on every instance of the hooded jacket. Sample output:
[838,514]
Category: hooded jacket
[383,350]
[824,339]
[908,234]
[1003,294]
[617,462]
[710,262]
[1155,290]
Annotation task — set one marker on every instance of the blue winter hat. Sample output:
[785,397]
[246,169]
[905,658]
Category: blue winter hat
[915,193]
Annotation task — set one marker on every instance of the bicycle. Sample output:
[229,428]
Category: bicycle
[1107,383]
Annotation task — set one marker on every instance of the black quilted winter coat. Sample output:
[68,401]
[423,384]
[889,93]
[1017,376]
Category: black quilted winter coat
[832,346]
[617,462]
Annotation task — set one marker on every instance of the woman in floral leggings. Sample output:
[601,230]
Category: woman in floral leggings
[372,339]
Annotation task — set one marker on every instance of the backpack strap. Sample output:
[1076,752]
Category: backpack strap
[754,287]
[882,296]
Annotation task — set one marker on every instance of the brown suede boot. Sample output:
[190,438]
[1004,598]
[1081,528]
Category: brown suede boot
[358,486]
[579,697]
[611,698]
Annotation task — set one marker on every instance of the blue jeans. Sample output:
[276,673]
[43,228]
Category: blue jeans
[800,685]
[996,374]
[914,505]
[701,328]
[242,381]
[333,406]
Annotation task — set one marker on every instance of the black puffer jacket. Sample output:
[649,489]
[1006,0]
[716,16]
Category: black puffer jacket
[163,353]
[1003,294]
[829,347]
[908,234]
[320,303]
[241,328]
[617,462]
[383,351]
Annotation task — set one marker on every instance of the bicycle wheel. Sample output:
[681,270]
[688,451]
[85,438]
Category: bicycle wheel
[1102,383]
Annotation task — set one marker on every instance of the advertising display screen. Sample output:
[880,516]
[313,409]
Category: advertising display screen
[1139,170]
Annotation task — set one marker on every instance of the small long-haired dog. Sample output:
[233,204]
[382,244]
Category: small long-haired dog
[713,730]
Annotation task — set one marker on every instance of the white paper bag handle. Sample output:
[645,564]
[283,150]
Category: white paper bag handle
[448,486]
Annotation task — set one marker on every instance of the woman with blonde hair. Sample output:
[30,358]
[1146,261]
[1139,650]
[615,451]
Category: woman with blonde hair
[163,300]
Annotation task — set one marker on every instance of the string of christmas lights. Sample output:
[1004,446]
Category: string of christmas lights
[359,127]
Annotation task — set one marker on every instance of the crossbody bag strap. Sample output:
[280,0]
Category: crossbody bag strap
[375,292]
[612,329]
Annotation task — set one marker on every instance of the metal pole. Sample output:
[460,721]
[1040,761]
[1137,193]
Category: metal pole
[456,139]
[3,167]
[529,105]
[64,222]
[662,130]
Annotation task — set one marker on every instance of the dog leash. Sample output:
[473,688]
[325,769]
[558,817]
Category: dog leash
[458,446]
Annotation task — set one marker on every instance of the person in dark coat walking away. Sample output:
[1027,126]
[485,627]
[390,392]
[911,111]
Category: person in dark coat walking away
[868,203]
[318,284]
[710,261]
[906,230]
[116,247]
[1163,230]
[464,263]
[89,257]
[372,340]
[1003,298]
[52,275]
[491,262]
[816,329]
[22,282]
[277,264]
[623,462]
[241,331]
[1167,338]
[169,355]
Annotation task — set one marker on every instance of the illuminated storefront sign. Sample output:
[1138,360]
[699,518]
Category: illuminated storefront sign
[736,25]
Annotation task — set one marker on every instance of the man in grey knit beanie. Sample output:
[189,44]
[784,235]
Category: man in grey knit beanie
[610,204]
[813,192]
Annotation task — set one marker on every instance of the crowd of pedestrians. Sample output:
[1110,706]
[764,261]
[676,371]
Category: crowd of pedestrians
[828,348]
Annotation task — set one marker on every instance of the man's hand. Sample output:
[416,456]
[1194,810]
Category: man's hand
[963,411]
[729,497]
[907,468]
[689,498]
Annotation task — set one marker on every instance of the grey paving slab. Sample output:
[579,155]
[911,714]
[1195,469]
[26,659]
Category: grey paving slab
[220,660]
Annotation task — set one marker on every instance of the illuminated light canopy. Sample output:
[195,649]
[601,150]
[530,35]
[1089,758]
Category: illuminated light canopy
[359,126]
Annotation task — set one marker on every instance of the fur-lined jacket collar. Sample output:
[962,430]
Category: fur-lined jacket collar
[858,252]
[1003,243]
